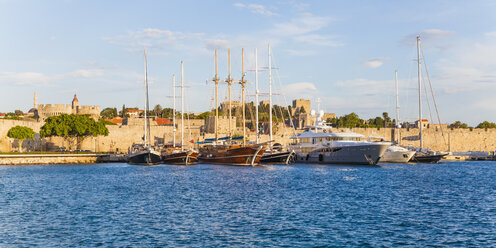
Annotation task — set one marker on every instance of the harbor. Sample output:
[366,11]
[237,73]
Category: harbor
[247,123]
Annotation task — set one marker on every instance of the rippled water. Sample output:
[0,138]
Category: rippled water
[448,204]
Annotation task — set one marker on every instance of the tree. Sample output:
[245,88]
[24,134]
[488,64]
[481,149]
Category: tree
[20,133]
[387,119]
[157,110]
[19,113]
[458,124]
[486,125]
[72,127]
[109,113]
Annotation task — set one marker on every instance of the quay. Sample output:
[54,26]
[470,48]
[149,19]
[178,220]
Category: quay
[32,159]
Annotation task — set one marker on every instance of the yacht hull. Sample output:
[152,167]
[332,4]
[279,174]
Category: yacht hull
[244,156]
[144,158]
[397,156]
[278,158]
[182,158]
[427,158]
[360,155]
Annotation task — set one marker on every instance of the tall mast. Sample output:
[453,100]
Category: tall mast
[146,103]
[270,97]
[256,95]
[419,91]
[243,83]
[174,110]
[182,106]
[397,108]
[216,80]
[229,82]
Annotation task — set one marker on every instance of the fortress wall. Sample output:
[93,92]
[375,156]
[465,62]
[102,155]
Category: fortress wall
[122,137]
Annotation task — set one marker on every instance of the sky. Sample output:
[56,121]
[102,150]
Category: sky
[341,52]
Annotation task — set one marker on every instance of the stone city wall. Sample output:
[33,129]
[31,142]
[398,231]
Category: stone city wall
[120,138]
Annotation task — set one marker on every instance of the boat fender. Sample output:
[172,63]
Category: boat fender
[308,156]
[321,157]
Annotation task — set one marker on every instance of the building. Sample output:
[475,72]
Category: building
[425,123]
[224,106]
[43,111]
[301,106]
[134,113]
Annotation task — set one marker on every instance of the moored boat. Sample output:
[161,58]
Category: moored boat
[143,153]
[397,154]
[174,155]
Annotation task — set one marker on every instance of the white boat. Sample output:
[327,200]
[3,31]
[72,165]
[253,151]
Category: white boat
[397,154]
[318,144]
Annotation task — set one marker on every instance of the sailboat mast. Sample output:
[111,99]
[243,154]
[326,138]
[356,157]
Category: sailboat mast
[270,97]
[229,82]
[419,92]
[173,110]
[182,106]
[146,103]
[397,108]
[256,96]
[243,83]
[216,80]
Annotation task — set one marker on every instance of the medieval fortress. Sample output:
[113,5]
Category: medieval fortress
[43,111]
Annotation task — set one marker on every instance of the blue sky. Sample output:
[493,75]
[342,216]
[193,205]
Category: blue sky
[344,52]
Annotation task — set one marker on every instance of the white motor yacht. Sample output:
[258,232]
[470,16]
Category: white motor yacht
[397,154]
[318,144]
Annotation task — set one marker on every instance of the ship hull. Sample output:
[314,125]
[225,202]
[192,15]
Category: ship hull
[427,158]
[144,158]
[244,156]
[397,156]
[181,158]
[278,158]
[360,155]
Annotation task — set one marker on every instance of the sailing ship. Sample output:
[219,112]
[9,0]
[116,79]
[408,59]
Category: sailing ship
[396,153]
[172,154]
[275,154]
[143,153]
[225,151]
[422,155]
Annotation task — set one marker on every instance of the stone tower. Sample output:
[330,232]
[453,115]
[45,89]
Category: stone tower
[35,100]
[75,105]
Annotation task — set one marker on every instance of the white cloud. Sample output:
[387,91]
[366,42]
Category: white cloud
[375,62]
[428,35]
[490,34]
[40,79]
[303,24]
[153,38]
[25,78]
[212,44]
[298,90]
[86,73]
[256,9]
[301,52]
[317,40]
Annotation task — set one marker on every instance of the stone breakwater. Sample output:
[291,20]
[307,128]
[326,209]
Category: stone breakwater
[29,159]
[120,138]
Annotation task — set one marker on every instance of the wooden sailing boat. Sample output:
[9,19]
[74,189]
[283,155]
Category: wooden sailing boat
[143,153]
[228,152]
[423,156]
[172,154]
[274,155]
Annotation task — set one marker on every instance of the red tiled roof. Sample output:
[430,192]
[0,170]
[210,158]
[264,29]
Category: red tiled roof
[116,120]
[2,114]
[135,110]
[163,121]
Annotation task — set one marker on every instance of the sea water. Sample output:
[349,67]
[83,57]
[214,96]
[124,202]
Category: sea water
[450,204]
